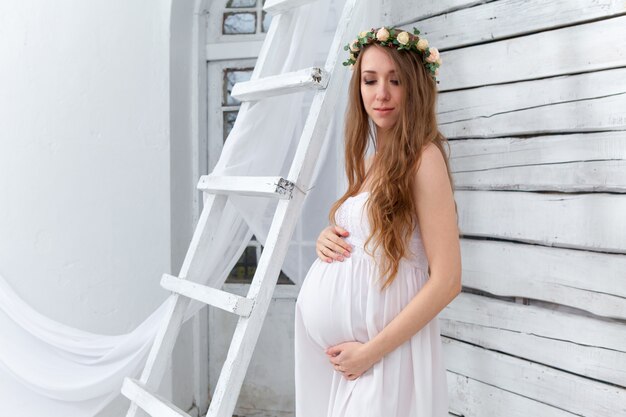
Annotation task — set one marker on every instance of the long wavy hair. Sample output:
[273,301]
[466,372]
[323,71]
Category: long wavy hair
[391,209]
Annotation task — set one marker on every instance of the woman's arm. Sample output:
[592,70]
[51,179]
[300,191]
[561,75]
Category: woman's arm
[440,235]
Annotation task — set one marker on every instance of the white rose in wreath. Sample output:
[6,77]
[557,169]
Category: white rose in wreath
[403,38]
[422,44]
[382,34]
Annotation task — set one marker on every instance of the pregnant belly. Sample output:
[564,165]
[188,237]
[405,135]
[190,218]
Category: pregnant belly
[331,301]
[342,301]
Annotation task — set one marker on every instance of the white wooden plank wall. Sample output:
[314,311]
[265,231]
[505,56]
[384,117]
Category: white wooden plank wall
[533,101]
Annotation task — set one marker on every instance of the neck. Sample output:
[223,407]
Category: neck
[381,138]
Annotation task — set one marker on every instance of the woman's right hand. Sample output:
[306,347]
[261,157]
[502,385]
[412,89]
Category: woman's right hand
[331,244]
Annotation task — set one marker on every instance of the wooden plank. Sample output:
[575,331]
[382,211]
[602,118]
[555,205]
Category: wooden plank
[472,398]
[496,20]
[399,12]
[589,281]
[276,187]
[564,220]
[599,46]
[576,103]
[287,83]
[542,383]
[581,345]
[601,114]
[603,176]
[494,100]
[151,403]
[212,296]
[577,162]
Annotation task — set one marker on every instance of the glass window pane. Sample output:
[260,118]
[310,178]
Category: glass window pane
[283,279]
[237,23]
[241,3]
[267,19]
[244,269]
[229,122]
[232,76]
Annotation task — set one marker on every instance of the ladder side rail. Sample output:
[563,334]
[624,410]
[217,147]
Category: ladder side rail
[168,331]
[248,329]
[312,136]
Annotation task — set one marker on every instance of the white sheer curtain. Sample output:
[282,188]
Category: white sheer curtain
[47,368]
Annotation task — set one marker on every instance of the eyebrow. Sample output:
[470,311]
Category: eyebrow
[374,72]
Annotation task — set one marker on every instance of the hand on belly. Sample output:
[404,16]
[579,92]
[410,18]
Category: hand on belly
[352,359]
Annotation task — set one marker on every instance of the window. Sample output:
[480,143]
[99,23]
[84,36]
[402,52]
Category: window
[230,105]
[223,108]
[245,17]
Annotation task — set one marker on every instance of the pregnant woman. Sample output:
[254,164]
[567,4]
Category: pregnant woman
[367,340]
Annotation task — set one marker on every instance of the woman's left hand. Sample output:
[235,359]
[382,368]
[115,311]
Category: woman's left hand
[352,359]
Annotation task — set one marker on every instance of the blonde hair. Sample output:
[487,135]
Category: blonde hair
[391,209]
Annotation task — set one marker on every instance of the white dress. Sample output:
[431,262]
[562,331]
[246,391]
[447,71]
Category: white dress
[341,302]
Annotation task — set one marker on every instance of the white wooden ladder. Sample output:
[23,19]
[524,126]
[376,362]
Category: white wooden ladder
[290,192]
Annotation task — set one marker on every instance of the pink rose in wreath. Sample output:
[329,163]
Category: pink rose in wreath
[433,56]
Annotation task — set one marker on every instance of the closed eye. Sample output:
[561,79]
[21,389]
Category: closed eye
[395,82]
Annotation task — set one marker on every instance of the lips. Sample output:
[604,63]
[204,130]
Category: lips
[384,110]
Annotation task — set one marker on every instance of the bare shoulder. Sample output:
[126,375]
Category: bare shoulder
[437,217]
[432,170]
[432,189]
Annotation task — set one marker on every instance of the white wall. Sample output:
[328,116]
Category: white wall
[188,162]
[85,158]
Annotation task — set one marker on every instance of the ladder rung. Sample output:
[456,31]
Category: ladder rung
[277,187]
[151,403]
[232,303]
[289,82]
[280,6]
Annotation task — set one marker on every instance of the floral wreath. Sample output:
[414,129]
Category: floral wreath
[388,36]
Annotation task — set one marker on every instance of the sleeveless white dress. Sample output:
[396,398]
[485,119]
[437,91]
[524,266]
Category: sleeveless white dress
[342,302]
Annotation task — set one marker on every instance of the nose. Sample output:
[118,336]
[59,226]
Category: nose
[382,92]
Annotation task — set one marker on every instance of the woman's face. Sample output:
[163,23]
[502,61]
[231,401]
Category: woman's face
[380,89]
